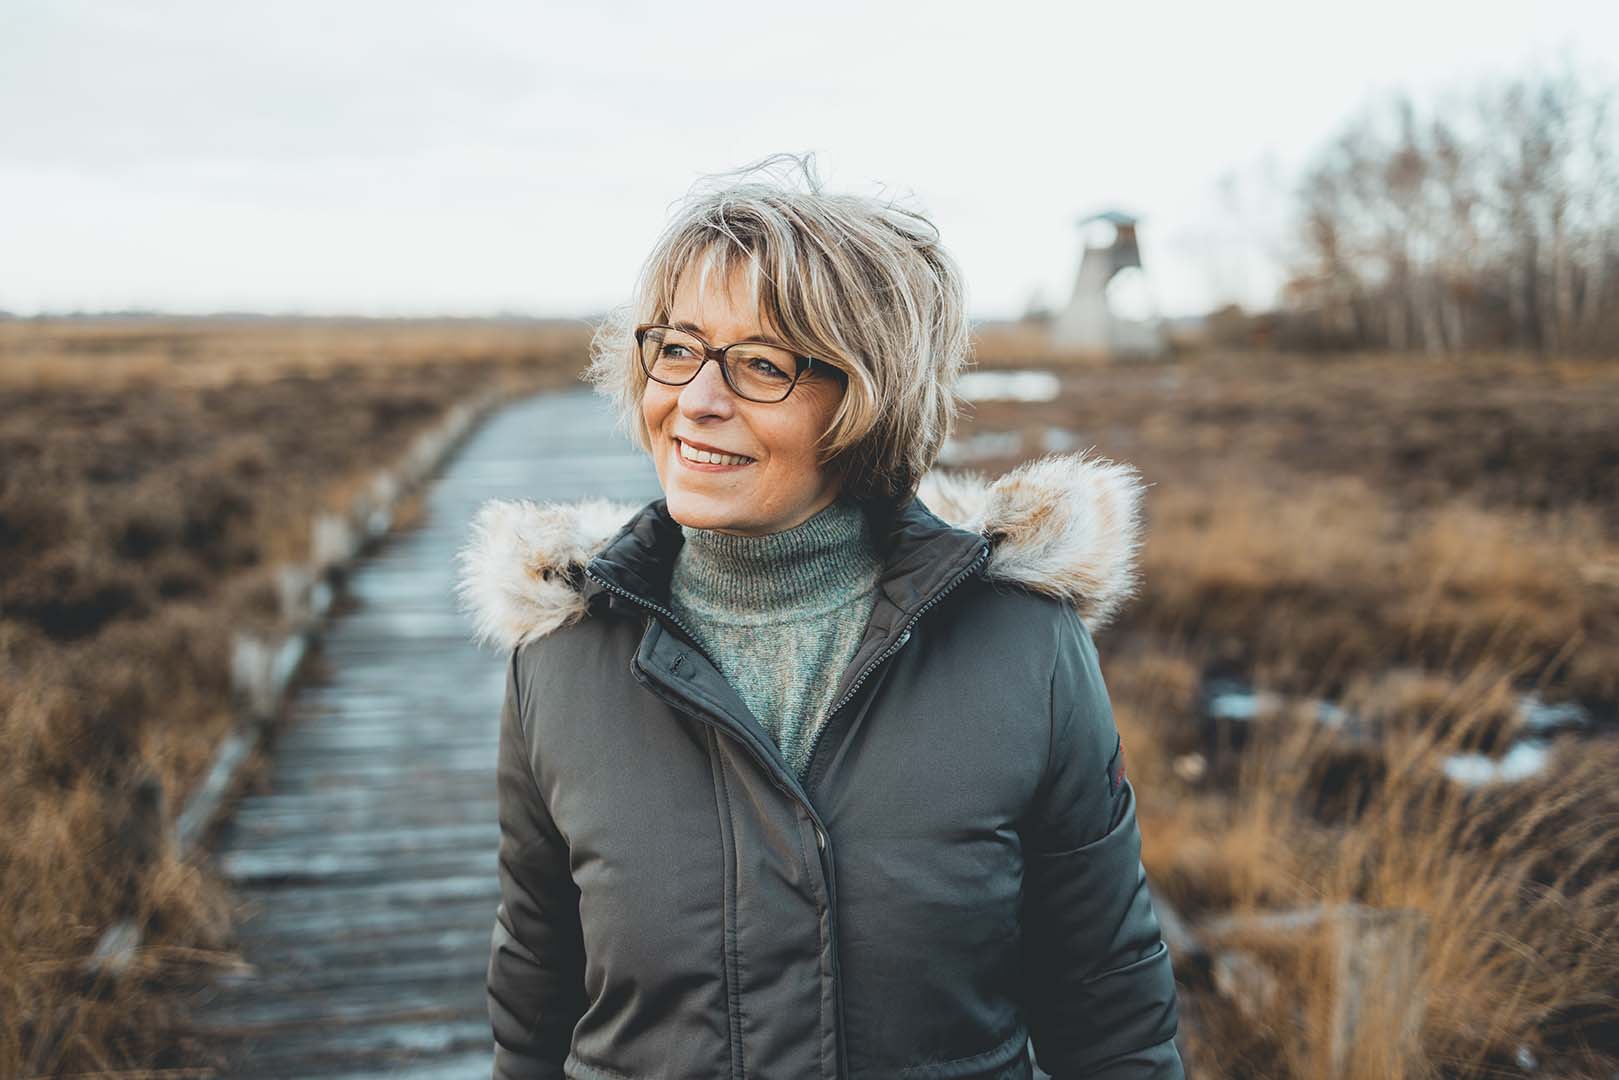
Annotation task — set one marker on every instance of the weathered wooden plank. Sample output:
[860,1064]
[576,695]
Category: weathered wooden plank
[467,1066]
[366,772]
[382,1049]
[271,925]
[360,908]
[313,819]
[391,708]
[415,736]
[433,1002]
[273,867]
[405,623]
[384,762]
[424,781]
[387,700]
[410,943]
[293,978]
[390,838]
[402,721]
[448,803]
[273,873]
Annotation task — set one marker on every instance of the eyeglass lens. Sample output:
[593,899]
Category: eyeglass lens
[758,372]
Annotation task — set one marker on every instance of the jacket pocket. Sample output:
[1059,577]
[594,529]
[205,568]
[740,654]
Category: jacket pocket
[577,1068]
[1007,1060]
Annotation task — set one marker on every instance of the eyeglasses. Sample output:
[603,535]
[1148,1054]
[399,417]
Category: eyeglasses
[754,370]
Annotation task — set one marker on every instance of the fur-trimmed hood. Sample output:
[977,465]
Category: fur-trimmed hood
[1065,525]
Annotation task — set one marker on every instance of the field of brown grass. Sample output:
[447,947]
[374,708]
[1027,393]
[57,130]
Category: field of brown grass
[1417,543]
[155,472]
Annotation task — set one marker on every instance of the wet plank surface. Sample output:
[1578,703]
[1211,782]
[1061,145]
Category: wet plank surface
[369,868]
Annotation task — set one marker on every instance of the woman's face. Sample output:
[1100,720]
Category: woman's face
[780,485]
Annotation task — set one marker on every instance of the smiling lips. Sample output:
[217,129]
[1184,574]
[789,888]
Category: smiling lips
[709,457]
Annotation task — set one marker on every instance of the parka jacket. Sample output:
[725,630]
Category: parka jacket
[958,873]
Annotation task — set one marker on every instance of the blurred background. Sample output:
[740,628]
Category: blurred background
[1343,284]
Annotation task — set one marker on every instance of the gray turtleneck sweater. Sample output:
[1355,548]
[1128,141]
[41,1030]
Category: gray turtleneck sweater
[781,614]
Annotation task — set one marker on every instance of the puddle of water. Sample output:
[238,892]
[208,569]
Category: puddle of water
[1246,705]
[1009,386]
[1525,759]
[980,447]
[1333,716]
[1233,699]
[1056,440]
[1544,718]
[1241,704]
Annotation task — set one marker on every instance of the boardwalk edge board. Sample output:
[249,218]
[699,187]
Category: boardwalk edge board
[263,669]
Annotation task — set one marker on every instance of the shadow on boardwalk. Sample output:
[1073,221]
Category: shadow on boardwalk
[368,870]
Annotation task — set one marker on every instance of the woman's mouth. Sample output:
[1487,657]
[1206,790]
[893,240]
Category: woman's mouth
[709,460]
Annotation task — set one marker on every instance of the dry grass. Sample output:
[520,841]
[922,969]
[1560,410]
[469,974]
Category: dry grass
[156,472]
[1519,885]
[1316,584]
[1420,542]
[1321,519]
[225,351]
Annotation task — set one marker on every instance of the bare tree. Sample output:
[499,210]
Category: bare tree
[1496,222]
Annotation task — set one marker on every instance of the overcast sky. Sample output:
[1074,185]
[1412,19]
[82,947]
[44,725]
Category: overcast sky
[475,157]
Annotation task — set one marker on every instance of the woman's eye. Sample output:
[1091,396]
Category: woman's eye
[766,369]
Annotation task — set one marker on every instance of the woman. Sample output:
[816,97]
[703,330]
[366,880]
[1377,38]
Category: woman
[807,768]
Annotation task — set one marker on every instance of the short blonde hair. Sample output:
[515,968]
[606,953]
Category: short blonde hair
[857,281]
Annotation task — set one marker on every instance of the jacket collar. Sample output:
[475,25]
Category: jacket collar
[921,555]
[1065,525]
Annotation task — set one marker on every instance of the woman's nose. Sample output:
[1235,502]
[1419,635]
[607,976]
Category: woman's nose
[707,394]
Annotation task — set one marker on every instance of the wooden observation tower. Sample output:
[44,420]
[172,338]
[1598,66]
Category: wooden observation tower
[1111,310]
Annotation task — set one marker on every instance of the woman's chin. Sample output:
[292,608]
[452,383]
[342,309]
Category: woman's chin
[701,510]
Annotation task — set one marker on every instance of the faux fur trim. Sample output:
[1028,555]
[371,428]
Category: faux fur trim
[1065,525]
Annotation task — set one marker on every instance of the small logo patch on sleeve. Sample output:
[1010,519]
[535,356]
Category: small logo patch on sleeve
[1115,769]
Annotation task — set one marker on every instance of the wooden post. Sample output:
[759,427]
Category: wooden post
[251,663]
[1378,967]
[1376,960]
[331,542]
[295,583]
[139,839]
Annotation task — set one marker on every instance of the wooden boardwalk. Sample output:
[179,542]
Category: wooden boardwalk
[369,869]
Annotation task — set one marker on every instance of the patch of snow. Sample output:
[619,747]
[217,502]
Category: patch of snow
[1524,760]
[1009,386]
[984,445]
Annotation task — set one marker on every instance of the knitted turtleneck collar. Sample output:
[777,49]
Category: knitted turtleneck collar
[813,567]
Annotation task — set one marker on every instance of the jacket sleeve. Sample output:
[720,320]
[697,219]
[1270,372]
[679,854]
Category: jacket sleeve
[535,986]
[1099,991]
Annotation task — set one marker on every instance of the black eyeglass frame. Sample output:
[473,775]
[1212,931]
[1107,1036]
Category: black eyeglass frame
[807,363]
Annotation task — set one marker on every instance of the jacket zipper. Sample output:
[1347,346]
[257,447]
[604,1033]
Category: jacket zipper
[771,769]
[809,772]
[659,608]
[904,636]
